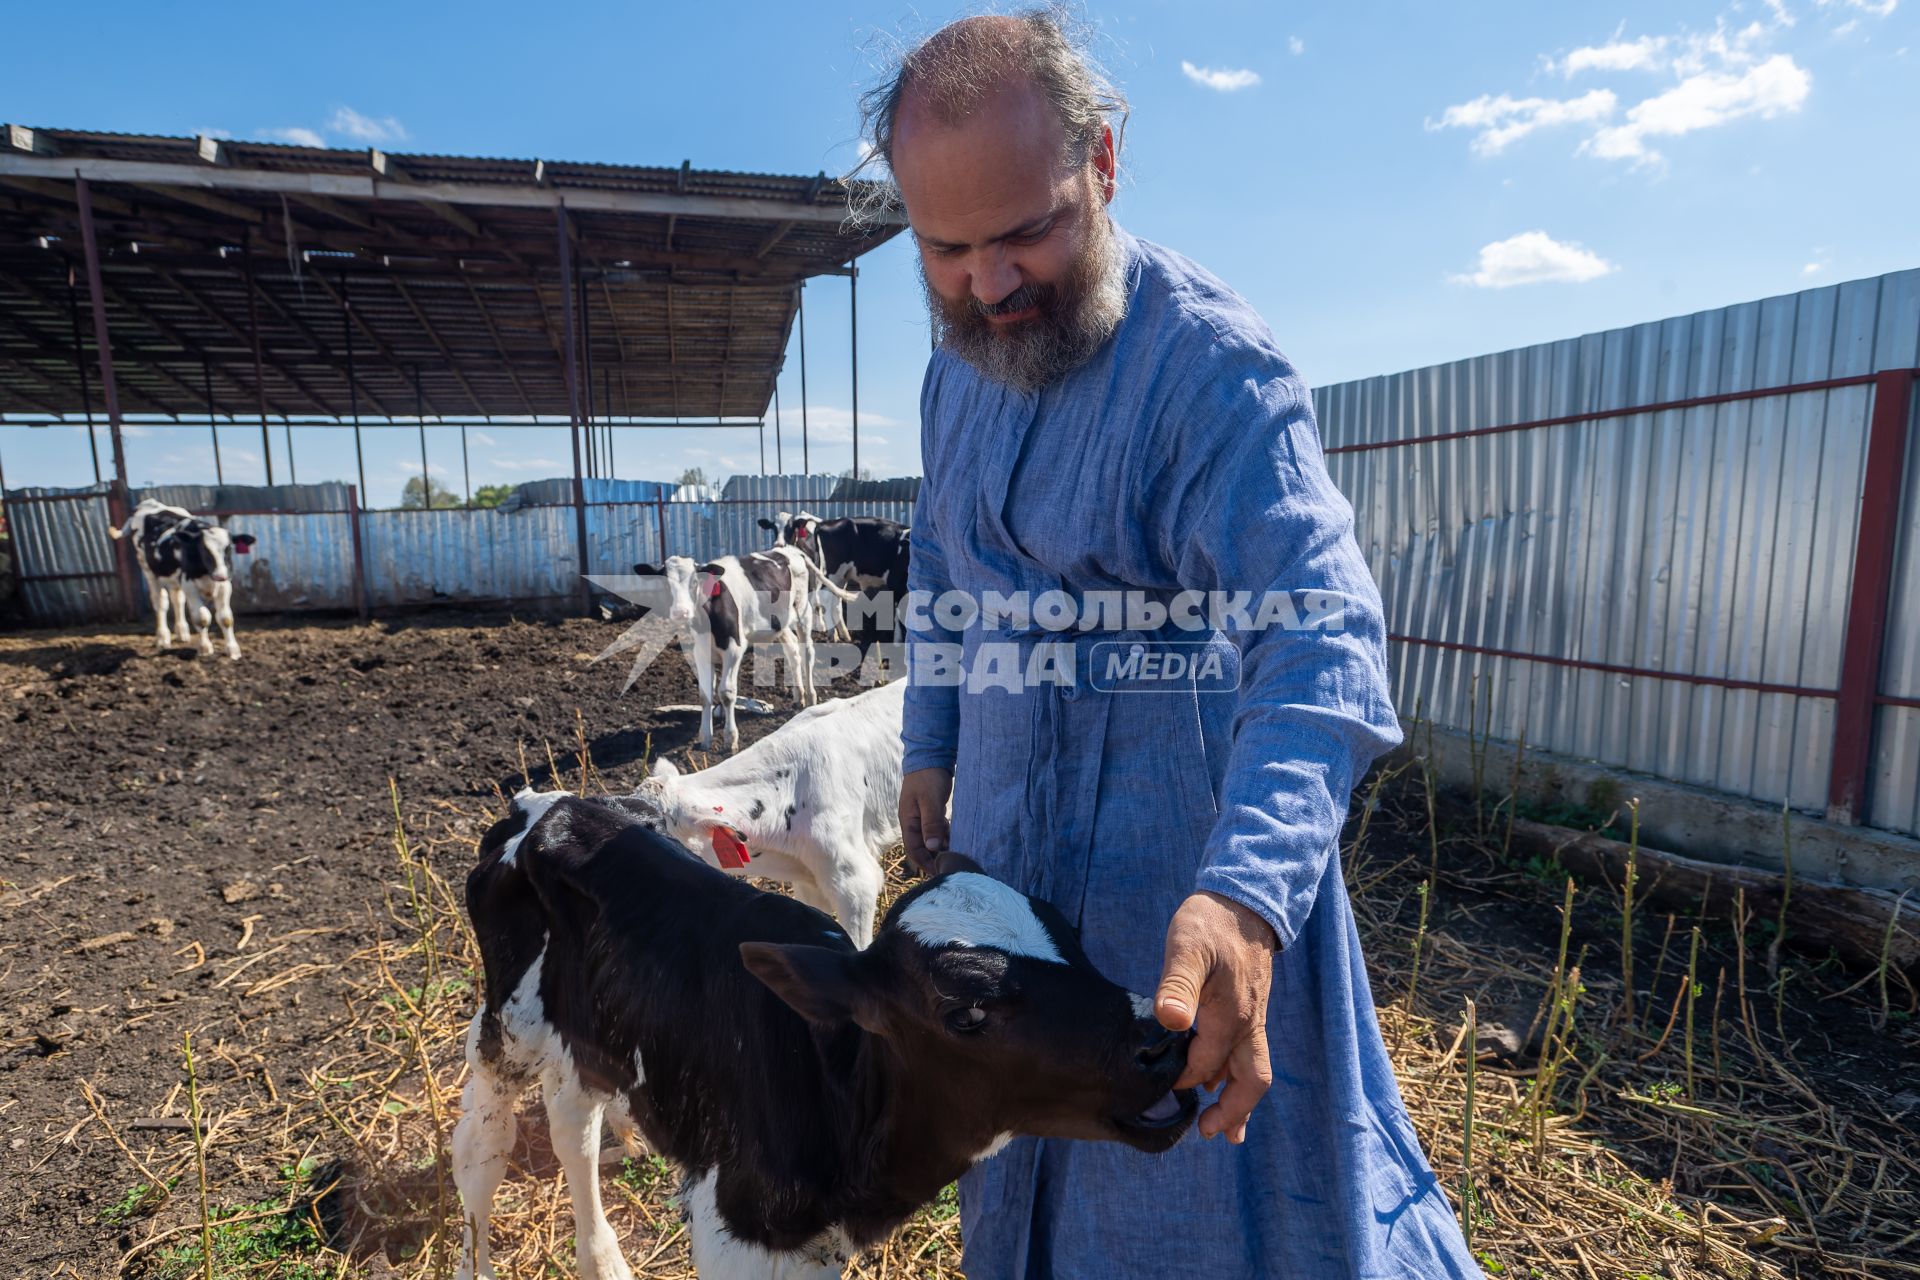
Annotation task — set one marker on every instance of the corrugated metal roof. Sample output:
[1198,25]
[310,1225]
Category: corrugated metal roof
[450,264]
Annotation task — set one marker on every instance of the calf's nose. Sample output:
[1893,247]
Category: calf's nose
[1163,1049]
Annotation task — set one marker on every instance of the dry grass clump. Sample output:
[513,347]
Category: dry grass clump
[1675,1136]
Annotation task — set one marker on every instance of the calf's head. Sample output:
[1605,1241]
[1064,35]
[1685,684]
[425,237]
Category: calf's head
[987,1000]
[705,831]
[679,574]
[204,549]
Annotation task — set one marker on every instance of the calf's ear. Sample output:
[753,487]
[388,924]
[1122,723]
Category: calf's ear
[243,539]
[647,571]
[820,985]
[663,768]
[767,524]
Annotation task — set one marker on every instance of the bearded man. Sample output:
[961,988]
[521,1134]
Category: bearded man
[1102,416]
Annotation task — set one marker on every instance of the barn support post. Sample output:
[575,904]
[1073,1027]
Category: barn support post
[779,453]
[293,471]
[573,396]
[466,470]
[259,364]
[420,421]
[80,363]
[353,384]
[660,513]
[606,409]
[213,427]
[806,449]
[360,601]
[594,466]
[1873,563]
[118,502]
[853,325]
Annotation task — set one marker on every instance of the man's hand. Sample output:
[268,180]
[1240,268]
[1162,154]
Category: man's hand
[923,815]
[1218,970]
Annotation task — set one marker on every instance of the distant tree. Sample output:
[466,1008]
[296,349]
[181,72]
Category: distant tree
[490,495]
[866,473]
[442,497]
[693,475]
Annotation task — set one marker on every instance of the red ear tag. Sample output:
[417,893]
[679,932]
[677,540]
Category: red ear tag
[729,848]
[241,548]
[713,587]
[800,534]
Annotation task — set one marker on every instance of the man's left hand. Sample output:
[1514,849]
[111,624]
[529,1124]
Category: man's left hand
[1217,972]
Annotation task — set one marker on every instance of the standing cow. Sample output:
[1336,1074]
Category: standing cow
[178,549]
[727,603]
[864,552]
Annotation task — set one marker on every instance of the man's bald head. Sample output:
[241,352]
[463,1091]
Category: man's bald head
[975,62]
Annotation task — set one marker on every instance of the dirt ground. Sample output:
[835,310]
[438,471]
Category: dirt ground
[208,847]
[171,817]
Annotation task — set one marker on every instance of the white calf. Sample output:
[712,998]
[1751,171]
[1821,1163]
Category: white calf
[813,805]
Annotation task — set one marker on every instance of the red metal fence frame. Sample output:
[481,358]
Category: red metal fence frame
[1868,605]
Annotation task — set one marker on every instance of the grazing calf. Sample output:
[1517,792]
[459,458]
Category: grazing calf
[726,603]
[853,551]
[176,549]
[813,805]
[812,1094]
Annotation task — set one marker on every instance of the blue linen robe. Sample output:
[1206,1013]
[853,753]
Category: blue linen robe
[1182,455]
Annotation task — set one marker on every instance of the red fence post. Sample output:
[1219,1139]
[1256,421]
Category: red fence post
[1867,607]
[360,600]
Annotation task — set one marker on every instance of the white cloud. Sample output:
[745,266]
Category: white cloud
[1813,268]
[529,464]
[833,424]
[1223,80]
[1719,50]
[481,437]
[1772,88]
[296,135]
[1648,53]
[1721,76]
[351,124]
[1296,46]
[1878,8]
[1534,257]
[1503,120]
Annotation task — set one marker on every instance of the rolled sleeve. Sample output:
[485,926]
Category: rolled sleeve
[930,723]
[1259,513]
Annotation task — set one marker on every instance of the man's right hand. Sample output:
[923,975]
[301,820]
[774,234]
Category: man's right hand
[923,815]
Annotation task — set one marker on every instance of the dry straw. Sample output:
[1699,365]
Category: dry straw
[1576,1161]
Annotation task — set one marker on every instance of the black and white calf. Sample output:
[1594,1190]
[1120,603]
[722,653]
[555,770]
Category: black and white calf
[728,603]
[813,804]
[812,1094]
[178,549]
[866,552]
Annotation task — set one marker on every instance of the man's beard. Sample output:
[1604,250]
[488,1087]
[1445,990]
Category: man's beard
[1073,317]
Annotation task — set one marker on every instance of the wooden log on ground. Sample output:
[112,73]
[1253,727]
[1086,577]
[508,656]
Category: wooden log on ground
[1820,915]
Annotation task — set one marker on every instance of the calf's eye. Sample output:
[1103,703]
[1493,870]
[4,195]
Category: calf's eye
[965,1020]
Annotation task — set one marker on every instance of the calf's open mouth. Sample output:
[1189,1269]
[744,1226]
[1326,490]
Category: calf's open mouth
[1160,1124]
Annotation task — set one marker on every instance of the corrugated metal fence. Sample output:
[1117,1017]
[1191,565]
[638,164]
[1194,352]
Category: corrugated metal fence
[307,557]
[1662,589]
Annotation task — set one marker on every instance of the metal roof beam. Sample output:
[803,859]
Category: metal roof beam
[368,187]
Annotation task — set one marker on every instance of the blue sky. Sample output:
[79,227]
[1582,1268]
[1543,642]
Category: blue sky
[1391,185]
